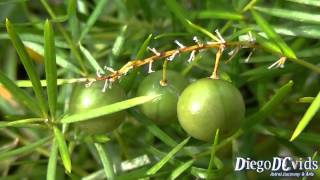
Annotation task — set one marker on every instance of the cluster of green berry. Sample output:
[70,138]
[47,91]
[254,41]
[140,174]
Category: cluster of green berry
[201,107]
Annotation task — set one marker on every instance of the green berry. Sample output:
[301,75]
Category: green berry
[208,104]
[87,98]
[163,110]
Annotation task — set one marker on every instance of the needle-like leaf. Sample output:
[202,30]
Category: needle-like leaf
[28,65]
[50,67]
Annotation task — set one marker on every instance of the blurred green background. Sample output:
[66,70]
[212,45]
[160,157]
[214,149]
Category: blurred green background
[113,32]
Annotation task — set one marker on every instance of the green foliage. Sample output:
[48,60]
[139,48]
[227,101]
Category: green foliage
[21,96]
[63,149]
[47,47]
[52,162]
[50,67]
[25,149]
[28,65]
[310,113]
[154,169]
[263,24]
[108,109]
[107,164]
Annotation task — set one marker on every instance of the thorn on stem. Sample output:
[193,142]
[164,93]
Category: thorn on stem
[196,40]
[98,73]
[89,84]
[170,58]
[109,69]
[150,67]
[154,51]
[110,83]
[222,41]
[192,56]
[106,84]
[179,44]
[219,36]
[249,56]
[232,54]
[279,63]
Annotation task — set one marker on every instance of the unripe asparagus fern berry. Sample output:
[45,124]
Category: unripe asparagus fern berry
[163,110]
[87,98]
[209,104]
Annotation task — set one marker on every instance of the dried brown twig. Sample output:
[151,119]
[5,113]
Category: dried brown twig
[114,75]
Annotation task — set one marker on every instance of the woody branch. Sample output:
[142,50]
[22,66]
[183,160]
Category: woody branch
[161,55]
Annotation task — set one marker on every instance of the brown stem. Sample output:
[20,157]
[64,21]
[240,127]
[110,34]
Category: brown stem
[163,81]
[216,64]
[137,63]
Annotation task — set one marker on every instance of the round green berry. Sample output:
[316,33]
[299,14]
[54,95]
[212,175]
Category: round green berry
[207,105]
[162,110]
[87,98]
